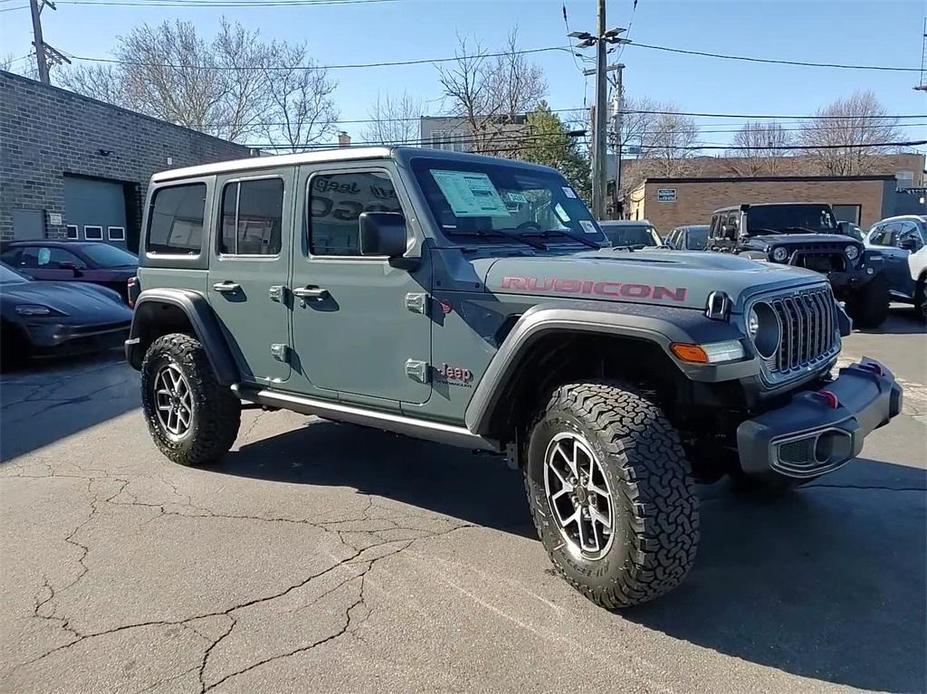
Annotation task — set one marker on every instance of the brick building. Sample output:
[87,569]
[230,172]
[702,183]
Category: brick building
[671,202]
[75,167]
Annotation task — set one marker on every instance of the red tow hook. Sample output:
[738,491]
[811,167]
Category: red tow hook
[830,399]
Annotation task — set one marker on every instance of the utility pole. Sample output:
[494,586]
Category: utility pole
[599,168]
[45,55]
[922,85]
[37,41]
[618,126]
[601,40]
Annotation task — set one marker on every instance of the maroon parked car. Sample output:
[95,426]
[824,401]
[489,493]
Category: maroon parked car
[79,261]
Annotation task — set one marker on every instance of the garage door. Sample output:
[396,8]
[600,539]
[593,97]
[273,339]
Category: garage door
[95,210]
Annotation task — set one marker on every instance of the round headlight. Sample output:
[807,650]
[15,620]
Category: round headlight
[763,329]
[753,324]
[780,254]
[851,252]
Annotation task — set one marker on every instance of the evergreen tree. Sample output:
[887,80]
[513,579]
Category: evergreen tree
[548,143]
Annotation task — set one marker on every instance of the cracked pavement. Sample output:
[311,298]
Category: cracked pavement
[324,557]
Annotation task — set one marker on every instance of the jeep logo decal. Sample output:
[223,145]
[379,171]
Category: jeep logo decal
[602,288]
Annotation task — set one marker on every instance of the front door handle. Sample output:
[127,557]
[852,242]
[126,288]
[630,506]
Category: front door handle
[310,292]
[226,287]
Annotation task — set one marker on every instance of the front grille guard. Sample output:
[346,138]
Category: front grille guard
[809,334]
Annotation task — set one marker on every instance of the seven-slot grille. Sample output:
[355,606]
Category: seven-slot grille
[808,322]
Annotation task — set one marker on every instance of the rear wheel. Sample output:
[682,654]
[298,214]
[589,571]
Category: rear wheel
[920,298]
[192,418]
[611,494]
[868,307]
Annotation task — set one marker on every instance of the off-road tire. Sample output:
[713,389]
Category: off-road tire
[868,307]
[655,520]
[920,299]
[216,411]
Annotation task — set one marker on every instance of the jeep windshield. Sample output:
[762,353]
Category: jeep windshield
[790,219]
[631,235]
[499,203]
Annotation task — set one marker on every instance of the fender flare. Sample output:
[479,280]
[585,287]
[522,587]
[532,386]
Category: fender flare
[659,325]
[205,326]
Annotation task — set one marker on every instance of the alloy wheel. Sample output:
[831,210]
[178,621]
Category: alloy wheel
[579,496]
[173,401]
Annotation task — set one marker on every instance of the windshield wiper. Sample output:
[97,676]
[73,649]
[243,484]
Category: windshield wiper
[540,245]
[763,230]
[578,239]
[804,230]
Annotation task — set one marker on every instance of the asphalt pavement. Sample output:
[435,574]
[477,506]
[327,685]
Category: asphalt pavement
[326,557]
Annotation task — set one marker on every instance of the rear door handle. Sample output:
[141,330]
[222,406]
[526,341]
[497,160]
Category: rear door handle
[310,292]
[226,287]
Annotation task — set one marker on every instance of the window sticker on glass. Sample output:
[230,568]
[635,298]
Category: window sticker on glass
[515,196]
[470,194]
[588,226]
[568,192]
[562,213]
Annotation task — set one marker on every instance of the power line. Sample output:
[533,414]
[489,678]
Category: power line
[344,66]
[774,61]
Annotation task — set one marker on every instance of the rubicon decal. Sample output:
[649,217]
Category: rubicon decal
[602,288]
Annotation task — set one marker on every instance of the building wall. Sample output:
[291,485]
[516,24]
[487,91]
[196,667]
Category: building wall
[46,133]
[696,200]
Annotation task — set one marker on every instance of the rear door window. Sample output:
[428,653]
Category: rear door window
[252,217]
[176,224]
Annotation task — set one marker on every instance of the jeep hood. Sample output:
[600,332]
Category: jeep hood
[675,278]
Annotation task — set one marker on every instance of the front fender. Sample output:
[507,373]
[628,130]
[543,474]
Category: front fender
[660,325]
[201,318]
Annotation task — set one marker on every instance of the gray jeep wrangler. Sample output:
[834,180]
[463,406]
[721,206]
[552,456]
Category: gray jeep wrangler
[474,301]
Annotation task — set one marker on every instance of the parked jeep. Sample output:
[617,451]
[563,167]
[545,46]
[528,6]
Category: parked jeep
[808,235]
[475,302]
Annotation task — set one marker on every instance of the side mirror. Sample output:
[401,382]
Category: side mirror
[383,233]
[69,267]
[844,228]
[908,244]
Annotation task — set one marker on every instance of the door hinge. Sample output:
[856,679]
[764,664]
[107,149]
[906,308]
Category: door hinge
[417,302]
[278,293]
[417,370]
[280,352]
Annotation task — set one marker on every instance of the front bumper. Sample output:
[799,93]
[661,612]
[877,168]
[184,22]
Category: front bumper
[57,336]
[819,431]
[844,283]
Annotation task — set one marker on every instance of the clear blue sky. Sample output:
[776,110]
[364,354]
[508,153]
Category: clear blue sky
[882,32]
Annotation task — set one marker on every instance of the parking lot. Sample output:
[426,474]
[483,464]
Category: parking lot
[322,556]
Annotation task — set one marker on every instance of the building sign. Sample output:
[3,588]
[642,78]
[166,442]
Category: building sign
[666,195]
[54,218]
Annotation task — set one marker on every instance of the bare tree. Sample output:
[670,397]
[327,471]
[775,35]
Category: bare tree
[759,151]
[20,66]
[858,120]
[394,119]
[301,110]
[492,95]
[235,86]
[656,141]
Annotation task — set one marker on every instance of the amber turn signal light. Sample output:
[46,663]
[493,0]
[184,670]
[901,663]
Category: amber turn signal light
[692,353]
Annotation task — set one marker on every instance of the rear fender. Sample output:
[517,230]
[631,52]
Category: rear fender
[148,324]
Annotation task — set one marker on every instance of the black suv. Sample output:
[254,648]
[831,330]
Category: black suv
[807,235]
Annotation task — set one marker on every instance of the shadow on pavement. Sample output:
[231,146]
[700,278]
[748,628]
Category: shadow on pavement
[54,398]
[475,488]
[826,583]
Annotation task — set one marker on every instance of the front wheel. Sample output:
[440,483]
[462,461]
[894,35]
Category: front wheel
[611,494]
[192,418]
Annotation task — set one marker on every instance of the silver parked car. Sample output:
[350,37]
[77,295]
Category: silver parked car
[637,233]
